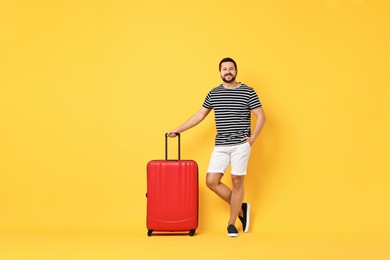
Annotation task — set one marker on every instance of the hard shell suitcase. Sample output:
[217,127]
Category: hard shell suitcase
[172,194]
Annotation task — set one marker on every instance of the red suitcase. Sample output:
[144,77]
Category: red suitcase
[172,194]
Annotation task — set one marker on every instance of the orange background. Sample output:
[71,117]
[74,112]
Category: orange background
[88,89]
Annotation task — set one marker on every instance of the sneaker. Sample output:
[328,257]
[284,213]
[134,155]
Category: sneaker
[232,231]
[246,207]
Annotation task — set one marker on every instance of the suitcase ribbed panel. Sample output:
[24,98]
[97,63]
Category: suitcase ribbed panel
[172,195]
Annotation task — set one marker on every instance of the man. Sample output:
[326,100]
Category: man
[233,103]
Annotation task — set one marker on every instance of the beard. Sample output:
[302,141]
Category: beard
[233,78]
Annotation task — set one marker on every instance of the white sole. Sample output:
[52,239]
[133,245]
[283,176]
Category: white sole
[248,211]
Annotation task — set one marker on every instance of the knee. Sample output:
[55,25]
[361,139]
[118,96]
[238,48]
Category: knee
[238,182]
[211,182]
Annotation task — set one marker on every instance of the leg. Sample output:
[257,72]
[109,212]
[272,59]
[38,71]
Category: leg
[236,198]
[239,160]
[213,181]
[219,161]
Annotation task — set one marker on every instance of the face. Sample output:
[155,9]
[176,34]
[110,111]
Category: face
[228,72]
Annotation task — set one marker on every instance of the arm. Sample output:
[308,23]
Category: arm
[191,122]
[260,120]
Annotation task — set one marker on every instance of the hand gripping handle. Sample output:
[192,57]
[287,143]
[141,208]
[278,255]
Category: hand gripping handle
[166,146]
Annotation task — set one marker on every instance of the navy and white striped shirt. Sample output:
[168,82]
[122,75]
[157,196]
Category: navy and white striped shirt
[232,110]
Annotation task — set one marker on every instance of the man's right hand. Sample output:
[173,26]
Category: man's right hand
[172,133]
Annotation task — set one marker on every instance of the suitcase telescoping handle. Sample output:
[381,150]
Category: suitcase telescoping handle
[166,146]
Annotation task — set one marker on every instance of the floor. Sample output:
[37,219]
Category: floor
[137,245]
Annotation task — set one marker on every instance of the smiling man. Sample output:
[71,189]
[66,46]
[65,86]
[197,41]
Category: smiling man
[233,103]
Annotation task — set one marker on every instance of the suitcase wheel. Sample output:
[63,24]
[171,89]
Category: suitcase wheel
[150,231]
[192,232]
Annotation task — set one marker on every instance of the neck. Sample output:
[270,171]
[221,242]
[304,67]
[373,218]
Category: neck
[233,84]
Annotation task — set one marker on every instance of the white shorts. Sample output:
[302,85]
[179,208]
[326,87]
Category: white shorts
[236,155]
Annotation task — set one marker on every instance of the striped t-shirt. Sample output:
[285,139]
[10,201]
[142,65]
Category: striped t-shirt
[232,110]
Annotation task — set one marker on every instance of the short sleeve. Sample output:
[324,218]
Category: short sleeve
[207,102]
[254,101]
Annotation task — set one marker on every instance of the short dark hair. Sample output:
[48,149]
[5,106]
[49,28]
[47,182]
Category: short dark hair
[227,60]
